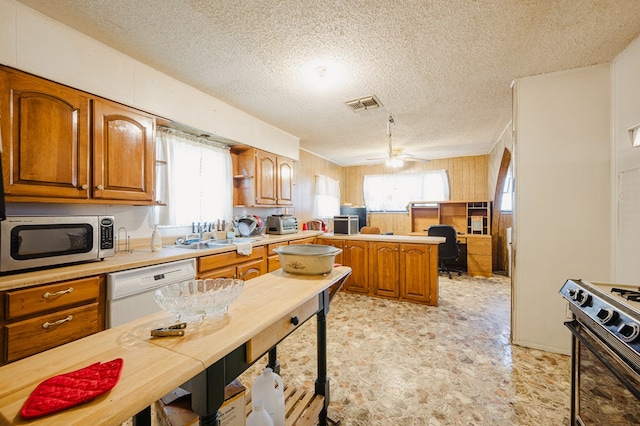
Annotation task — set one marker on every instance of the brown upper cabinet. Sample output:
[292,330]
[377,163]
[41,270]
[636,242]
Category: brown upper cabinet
[64,145]
[261,178]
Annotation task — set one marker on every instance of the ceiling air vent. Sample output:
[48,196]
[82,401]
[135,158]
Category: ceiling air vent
[368,102]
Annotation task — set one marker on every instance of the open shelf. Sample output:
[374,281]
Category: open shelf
[301,407]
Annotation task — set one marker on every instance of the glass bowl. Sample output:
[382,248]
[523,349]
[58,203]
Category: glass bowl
[199,299]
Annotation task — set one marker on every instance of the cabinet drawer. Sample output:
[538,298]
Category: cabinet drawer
[481,246]
[28,337]
[229,272]
[215,261]
[34,300]
[479,265]
[310,240]
[271,247]
[261,343]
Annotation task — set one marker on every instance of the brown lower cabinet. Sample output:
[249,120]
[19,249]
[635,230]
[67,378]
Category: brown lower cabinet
[233,265]
[38,318]
[401,271]
[273,258]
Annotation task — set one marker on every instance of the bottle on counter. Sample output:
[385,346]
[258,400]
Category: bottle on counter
[264,389]
[156,239]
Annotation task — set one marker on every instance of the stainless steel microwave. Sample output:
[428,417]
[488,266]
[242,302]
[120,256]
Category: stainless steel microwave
[28,242]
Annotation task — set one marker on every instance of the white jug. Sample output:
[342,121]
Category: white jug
[258,416]
[264,389]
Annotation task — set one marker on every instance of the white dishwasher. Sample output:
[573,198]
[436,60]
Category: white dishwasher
[130,292]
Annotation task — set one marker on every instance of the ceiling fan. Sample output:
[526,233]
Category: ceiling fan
[395,157]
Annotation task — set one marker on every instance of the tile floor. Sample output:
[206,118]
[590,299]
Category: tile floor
[397,363]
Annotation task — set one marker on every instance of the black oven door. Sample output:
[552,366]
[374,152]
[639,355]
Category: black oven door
[605,388]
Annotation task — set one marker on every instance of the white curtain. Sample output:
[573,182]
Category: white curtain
[392,193]
[196,183]
[326,202]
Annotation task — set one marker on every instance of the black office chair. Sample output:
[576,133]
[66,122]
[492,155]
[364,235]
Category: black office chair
[449,250]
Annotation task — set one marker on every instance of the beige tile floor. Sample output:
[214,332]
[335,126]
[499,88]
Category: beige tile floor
[398,363]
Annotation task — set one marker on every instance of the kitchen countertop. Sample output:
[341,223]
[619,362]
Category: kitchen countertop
[413,239]
[136,259]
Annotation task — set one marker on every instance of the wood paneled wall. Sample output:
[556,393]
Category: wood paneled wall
[305,171]
[468,177]
[468,180]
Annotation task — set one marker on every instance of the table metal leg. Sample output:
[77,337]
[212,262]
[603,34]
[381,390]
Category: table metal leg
[273,360]
[143,418]
[322,382]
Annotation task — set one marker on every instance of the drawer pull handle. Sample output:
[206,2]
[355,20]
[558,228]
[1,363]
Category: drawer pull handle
[57,293]
[295,320]
[62,321]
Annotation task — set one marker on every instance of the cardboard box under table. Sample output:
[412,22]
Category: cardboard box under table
[175,408]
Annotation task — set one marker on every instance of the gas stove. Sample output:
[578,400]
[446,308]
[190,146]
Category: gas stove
[605,352]
[610,310]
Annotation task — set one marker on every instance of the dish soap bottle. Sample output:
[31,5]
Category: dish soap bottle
[258,416]
[156,239]
[264,389]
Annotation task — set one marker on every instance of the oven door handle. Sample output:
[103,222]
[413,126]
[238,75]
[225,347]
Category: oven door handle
[573,326]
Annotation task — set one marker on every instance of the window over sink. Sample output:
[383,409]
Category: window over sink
[193,178]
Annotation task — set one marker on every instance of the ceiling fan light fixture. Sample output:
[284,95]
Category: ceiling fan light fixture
[394,162]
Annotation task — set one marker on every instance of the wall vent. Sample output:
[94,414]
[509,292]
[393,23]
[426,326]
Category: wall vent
[361,104]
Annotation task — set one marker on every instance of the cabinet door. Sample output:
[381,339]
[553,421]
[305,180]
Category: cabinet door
[384,269]
[45,138]
[418,267]
[355,256]
[285,181]
[124,153]
[265,178]
[334,243]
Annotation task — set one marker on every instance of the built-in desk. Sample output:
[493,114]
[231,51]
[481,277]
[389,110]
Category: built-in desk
[478,251]
[212,353]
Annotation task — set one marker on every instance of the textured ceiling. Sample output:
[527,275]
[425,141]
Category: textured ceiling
[442,68]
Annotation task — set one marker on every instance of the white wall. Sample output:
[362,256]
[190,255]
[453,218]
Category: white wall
[562,212]
[34,43]
[626,166]
[39,45]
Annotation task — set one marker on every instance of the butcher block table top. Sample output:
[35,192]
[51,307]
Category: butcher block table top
[155,366]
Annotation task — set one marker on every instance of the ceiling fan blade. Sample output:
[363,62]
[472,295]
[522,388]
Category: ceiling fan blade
[422,160]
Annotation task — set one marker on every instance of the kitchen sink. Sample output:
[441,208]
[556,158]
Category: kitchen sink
[229,241]
[205,244]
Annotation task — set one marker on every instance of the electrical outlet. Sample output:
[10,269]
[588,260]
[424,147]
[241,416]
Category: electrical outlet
[568,314]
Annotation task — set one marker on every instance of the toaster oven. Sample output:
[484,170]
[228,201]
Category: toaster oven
[282,224]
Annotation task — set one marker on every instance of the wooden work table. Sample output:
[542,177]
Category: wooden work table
[210,355]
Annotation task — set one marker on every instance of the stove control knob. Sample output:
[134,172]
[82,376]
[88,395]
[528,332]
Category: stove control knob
[629,332]
[608,316]
[583,298]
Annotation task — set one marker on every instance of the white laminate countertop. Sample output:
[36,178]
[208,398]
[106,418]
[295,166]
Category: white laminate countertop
[123,261]
[413,239]
[145,257]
